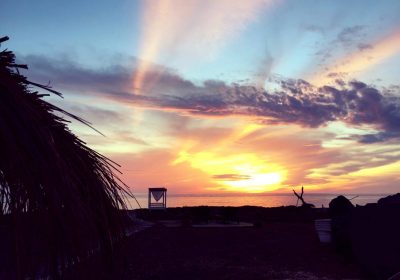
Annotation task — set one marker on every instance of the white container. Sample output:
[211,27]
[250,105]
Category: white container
[324,230]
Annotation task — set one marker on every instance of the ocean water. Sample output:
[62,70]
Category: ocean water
[265,200]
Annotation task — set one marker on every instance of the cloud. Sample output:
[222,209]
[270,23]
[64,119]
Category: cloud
[290,112]
[292,102]
[348,35]
[66,73]
[370,55]
[231,177]
[185,28]
[91,112]
[378,137]
[363,46]
[215,22]
[346,39]
[153,168]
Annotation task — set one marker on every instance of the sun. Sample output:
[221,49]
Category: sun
[256,176]
[244,172]
[256,183]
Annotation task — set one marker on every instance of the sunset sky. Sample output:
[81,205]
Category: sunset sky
[205,96]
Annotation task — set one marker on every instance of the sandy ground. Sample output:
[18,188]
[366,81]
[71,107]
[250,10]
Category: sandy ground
[274,250]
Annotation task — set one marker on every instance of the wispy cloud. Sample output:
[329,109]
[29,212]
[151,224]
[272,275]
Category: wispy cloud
[347,39]
[185,28]
[364,57]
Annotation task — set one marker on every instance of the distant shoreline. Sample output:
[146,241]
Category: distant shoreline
[262,200]
[266,194]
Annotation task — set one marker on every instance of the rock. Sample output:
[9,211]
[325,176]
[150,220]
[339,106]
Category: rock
[375,239]
[340,206]
[340,210]
[391,199]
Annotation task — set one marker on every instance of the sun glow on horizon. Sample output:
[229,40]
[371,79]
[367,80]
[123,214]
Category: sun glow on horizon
[238,172]
[256,183]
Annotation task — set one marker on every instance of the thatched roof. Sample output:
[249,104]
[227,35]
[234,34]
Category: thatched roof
[59,199]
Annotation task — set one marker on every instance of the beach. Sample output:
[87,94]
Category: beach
[194,139]
[274,243]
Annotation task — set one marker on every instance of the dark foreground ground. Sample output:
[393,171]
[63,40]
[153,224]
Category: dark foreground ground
[273,250]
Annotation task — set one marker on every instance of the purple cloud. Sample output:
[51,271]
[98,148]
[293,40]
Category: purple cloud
[295,101]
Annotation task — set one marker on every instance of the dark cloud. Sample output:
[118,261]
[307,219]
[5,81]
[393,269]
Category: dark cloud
[350,38]
[65,73]
[363,46]
[294,101]
[378,137]
[231,177]
[350,34]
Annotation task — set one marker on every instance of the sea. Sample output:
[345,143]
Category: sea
[264,200]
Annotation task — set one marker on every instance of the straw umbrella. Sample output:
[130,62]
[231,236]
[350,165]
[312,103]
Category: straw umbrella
[59,199]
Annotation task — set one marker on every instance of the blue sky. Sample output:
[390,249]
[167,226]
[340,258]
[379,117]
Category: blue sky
[289,33]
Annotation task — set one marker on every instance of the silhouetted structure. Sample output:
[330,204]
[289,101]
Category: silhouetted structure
[300,197]
[340,210]
[375,231]
[157,194]
[59,199]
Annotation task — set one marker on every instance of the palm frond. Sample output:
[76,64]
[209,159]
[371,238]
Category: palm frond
[59,198]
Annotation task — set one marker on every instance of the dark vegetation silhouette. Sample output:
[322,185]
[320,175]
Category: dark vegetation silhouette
[59,199]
